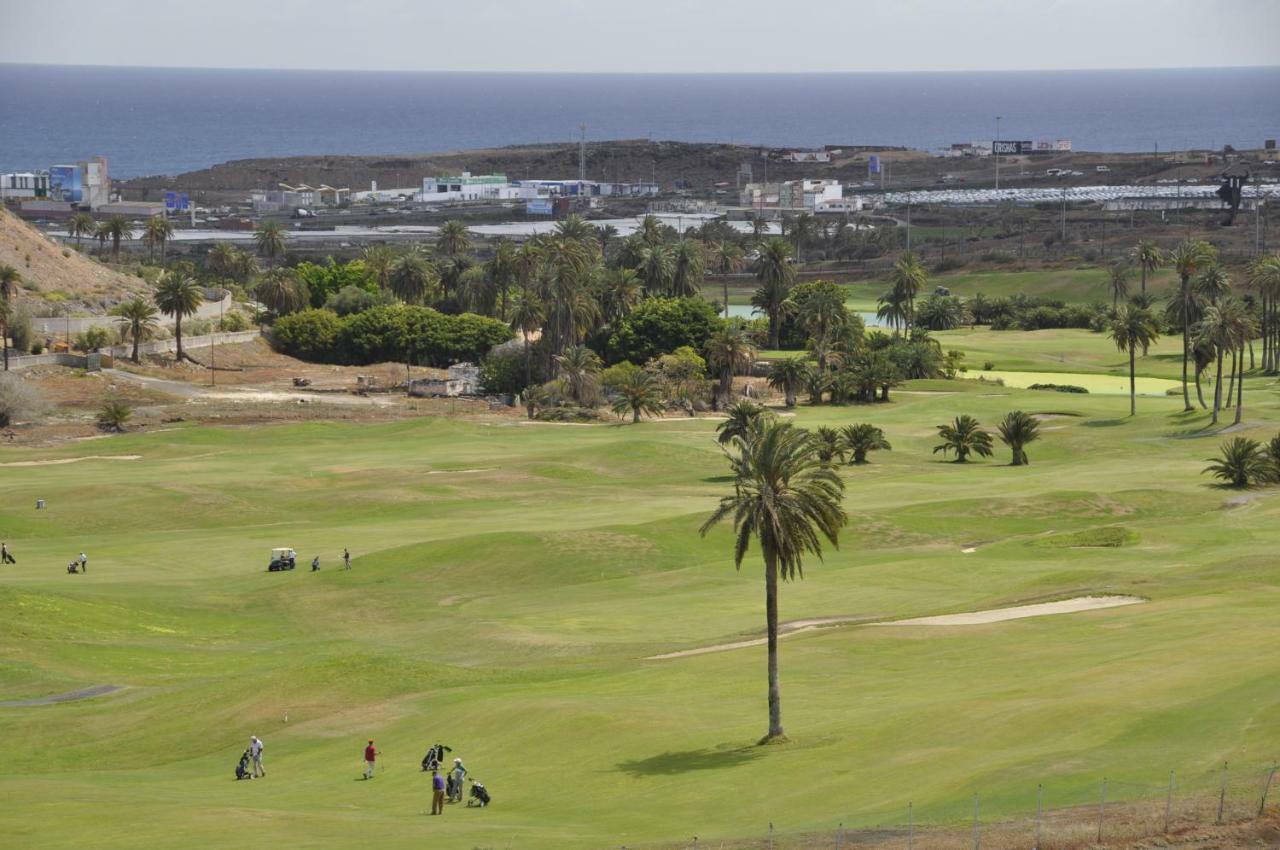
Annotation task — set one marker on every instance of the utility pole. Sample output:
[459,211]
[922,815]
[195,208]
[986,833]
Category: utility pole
[582,153]
[995,148]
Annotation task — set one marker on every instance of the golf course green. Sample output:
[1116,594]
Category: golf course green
[509,581]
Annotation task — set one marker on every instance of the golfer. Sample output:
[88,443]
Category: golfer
[84,563]
[255,752]
[459,773]
[5,557]
[370,756]
[346,558]
[437,793]
[315,563]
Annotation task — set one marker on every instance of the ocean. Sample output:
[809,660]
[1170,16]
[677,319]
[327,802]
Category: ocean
[167,121]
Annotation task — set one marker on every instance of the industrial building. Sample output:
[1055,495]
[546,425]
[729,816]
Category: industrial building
[811,195]
[24,184]
[467,187]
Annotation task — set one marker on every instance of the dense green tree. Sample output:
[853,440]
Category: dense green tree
[660,325]
[412,278]
[784,497]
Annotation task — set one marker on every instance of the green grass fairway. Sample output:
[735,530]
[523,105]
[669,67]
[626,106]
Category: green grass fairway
[509,579]
[1104,384]
[1074,286]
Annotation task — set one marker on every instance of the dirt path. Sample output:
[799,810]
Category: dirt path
[69,696]
[60,461]
[187,390]
[973,618]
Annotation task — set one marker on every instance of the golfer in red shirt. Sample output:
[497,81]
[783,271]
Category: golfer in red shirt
[370,756]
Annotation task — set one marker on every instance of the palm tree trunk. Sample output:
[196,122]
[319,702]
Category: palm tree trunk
[1144,281]
[775,329]
[1200,391]
[1240,392]
[1217,391]
[177,333]
[4,343]
[1133,382]
[771,619]
[1231,381]
[135,333]
[635,416]
[1186,344]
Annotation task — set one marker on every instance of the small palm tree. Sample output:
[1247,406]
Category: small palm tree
[1242,462]
[527,316]
[114,415]
[964,436]
[178,296]
[1149,257]
[789,375]
[578,368]
[1133,328]
[742,416]
[638,393]
[9,280]
[139,318]
[156,233]
[1118,278]
[862,438]
[269,237]
[1017,429]
[80,225]
[786,498]
[829,445]
[729,353]
[454,239]
[115,229]
[281,292]
[908,277]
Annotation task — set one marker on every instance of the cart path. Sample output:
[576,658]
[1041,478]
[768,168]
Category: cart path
[63,460]
[69,696]
[972,618]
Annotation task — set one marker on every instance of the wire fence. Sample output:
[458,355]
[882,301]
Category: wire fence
[1071,817]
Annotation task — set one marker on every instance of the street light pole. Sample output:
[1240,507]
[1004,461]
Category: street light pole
[996,151]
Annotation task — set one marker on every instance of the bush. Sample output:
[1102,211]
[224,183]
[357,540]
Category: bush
[661,325]
[354,299]
[92,339]
[1059,388]
[18,400]
[37,348]
[310,335]
[114,415]
[949,264]
[568,414]
[197,327]
[233,322]
[397,332]
[503,369]
[988,365]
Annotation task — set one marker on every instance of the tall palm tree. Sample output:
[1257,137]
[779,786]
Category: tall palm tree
[964,436]
[139,318]
[803,228]
[80,225]
[862,438]
[1017,429]
[1264,277]
[1132,328]
[729,352]
[1118,280]
[270,239]
[527,316]
[378,261]
[1212,284]
[725,257]
[776,276]
[656,268]
[282,292]
[502,272]
[891,308]
[579,366]
[156,233]
[687,268]
[1187,259]
[789,375]
[743,414]
[454,239]
[576,227]
[6,319]
[222,259]
[1148,257]
[412,278]
[479,292]
[786,498]
[606,234]
[620,294]
[652,231]
[116,229]
[908,277]
[178,296]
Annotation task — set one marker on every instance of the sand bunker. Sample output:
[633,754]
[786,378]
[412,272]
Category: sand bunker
[973,618]
[69,460]
[69,696]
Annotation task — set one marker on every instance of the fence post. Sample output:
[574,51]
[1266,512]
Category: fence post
[1271,774]
[1222,794]
[1168,804]
[977,836]
[1039,813]
[1102,805]
[911,827]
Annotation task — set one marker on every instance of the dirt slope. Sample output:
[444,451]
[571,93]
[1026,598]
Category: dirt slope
[48,268]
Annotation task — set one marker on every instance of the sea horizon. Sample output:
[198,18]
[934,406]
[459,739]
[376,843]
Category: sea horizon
[169,120]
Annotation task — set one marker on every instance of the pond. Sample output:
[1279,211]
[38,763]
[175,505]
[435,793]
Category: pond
[1096,384]
[746,311]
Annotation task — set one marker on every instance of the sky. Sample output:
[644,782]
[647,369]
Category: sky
[593,36]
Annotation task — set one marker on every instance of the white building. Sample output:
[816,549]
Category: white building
[808,156]
[466,187]
[792,194]
[24,184]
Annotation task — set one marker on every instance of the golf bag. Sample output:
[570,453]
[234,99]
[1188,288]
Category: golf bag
[242,769]
[479,796]
[448,785]
[434,757]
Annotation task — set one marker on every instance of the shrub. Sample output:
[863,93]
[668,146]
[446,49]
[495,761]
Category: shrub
[397,332]
[92,339]
[1060,388]
[114,415]
[233,322]
[568,414]
[503,369]
[18,400]
[310,334]
[988,365]
[353,299]
[947,264]
[661,325]
[997,257]
[37,348]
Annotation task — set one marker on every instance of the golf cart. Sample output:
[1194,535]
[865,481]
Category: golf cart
[282,559]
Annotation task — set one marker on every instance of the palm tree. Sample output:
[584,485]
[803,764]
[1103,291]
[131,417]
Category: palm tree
[269,237]
[621,293]
[102,233]
[652,231]
[80,225]
[789,375]
[9,280]
[157,232]
[114,415]
[784,496]
[1242,462]
[115,229]
[139,318]
[742,415]
[1119,282]
[964,436]
[1264,276]
[729,352]
[1017,429]
[1132,328]
[502,272]
[908,277]
[892,310]
[178,296]
[1212,284]
[281,292]
[527,316]
[687,268]
[803,228]
[454,239]
[776,275]
[862,438]
[605,235]
[656,268]
[828,444]
[1187,259]
[578,368]
[1148,257]
[378,261]
[479,293]
[412,278]
[222,259]
[638,393]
